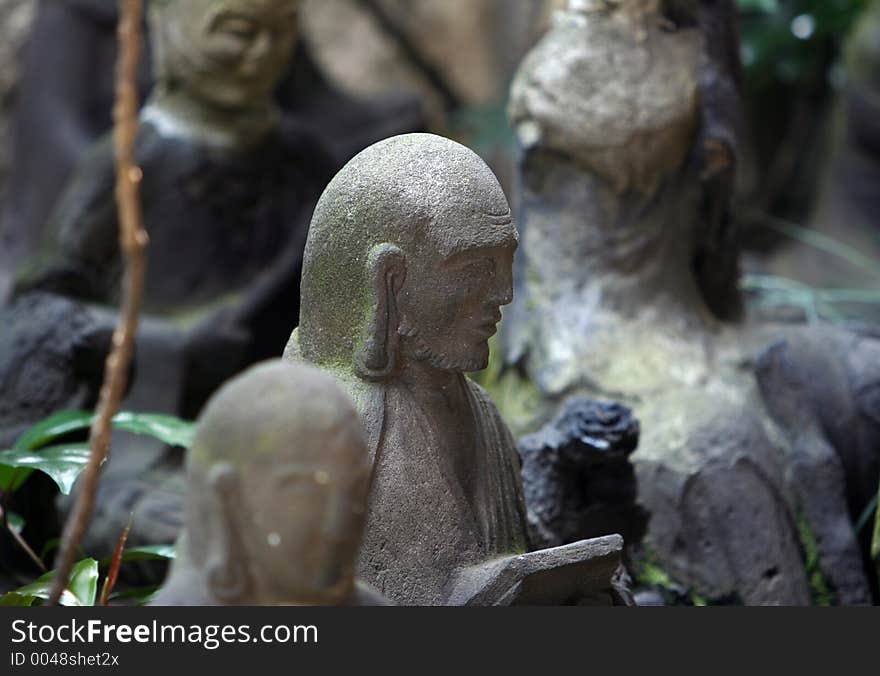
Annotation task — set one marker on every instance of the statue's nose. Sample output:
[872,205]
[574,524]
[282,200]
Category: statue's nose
[502,293]
[258,53]
[504,284]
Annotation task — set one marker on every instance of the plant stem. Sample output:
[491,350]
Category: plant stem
[133,241]
[22,542]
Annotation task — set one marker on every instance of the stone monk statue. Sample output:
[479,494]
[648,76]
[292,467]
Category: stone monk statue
[277,481]
[229,185]
[408,262]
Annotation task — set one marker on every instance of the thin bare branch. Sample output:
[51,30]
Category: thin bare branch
[133,241]
[4,516]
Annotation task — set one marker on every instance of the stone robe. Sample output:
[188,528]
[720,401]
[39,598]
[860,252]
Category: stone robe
[427,520]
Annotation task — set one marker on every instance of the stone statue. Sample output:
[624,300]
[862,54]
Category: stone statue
[229,185]
[65,101]
[277,484]
[407,265]
[627,289]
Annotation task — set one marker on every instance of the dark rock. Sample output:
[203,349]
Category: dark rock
[52,353]
[577,477]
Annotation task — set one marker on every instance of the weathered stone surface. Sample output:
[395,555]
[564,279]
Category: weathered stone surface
[577,477]
[65,106]
[627,290]
[52,354]
[228,188]
[277,485]
[15,20]
[823,388]
[575,574]
[407,264]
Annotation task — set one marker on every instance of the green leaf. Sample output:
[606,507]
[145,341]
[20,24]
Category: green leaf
[14,599]
[866,515]
[56,425]
[768,6]
[16,521]
[81,591]
[165,428]
[145,553]
[63,463]
[141,595]
[875,542]
[11,478]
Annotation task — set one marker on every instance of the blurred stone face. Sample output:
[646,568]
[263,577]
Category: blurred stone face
[308,510]
[228,53]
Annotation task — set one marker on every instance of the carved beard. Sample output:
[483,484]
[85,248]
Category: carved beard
[424,352]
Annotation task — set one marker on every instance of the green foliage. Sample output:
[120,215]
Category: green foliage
[82,590]
[40,449]
[650,573]
[875,542]
[789,41]
[516,397]
[65,462]
[820,590]
[15,522]
[771,291]
[145,553]
[869,511]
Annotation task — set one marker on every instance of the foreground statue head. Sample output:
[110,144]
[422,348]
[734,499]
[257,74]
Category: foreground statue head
[407,264]
[277,477]
[408,260]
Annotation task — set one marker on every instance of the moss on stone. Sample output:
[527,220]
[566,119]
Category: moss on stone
[649,572]
[520,402]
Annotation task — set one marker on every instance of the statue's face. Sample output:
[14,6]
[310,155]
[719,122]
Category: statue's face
[228,53]
[307,522]
[450,303]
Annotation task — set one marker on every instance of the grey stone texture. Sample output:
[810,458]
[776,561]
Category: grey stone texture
[407,264]
[577,476]
[627,290]
[277,485]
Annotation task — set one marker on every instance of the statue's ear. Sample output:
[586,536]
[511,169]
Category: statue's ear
[386,272]
[227,574]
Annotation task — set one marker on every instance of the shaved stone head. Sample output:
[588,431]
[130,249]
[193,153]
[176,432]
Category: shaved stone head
[278,478]
[405,220]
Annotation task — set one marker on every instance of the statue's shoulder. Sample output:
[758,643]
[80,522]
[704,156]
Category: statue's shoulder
[368,398]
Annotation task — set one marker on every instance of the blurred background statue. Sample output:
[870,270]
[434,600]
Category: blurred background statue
[64,105]
[627,114]
[277,485]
